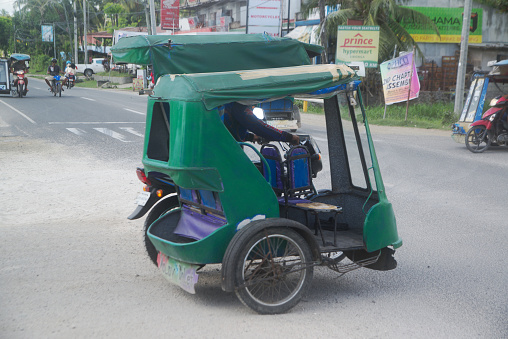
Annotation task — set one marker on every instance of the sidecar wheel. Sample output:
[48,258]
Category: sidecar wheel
[270,271]
[158,210]
[477,139]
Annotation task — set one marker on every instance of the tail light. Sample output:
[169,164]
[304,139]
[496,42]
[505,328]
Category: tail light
[142,176]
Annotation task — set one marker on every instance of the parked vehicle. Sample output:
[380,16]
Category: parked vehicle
[262,219]
[475,100]
[492,129]
[89,69]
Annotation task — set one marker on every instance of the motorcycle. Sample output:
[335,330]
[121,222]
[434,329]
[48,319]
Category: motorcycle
[18,88]
[492,129]
[56,86]
[71,78]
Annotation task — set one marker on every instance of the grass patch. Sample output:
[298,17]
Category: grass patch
[82,82]
[437,116]
[114,74]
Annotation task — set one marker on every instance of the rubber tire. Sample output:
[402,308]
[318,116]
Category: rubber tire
[20,90]
[88,72]
[471,147]
[163,206]
[279,306]
[59,89]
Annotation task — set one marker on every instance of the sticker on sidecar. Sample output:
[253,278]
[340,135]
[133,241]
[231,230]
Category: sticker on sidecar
[179,273]
[142,198]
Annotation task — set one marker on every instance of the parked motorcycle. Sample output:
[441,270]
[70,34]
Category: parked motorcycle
[18,88]
[492,129]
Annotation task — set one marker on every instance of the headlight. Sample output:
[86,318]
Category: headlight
[492,117]
[259,113]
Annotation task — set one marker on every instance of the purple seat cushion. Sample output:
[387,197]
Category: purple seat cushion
[197,226]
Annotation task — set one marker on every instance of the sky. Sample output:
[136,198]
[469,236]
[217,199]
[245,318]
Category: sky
[7,5]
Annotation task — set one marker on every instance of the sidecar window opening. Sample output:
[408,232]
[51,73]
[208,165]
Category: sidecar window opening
[158,142]
[354,143]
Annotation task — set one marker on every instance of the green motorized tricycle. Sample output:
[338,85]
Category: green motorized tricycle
[260,211]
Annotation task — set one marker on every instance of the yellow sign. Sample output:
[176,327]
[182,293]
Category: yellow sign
[451,39]
[357,43]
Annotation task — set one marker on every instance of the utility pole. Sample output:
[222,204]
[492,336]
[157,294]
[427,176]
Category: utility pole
[54,41]
[75,34]
[147,15]
[461,72]
[85,44]
[152,17]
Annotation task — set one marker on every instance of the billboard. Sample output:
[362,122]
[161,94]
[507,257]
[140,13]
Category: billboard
[357,43]
[170,14]
[264,16]
[449,23]
[396,76]
[47,33]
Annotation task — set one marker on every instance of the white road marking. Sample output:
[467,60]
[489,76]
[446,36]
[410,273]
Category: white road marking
[76,131]
[37,87]
[88,99]
[18,111]
[132,131]
[112,134]
[133,111]
[92,122]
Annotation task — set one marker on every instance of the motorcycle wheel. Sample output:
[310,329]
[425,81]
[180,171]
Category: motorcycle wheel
[59,89]
[477,139]
[270,270]
[20,90]
[157,211]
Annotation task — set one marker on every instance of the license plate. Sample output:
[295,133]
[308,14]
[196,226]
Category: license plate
[142,198]
[178,273]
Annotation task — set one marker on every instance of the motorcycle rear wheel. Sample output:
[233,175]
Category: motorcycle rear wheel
[59,86]
[477,139]
[20,90]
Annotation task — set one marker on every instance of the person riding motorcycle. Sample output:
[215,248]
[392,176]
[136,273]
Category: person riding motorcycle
[70,70]
[20,66]
[53,70]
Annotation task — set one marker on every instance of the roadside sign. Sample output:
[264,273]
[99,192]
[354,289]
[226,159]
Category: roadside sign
[264,16]
[397,77]
[170,13]
[357,44]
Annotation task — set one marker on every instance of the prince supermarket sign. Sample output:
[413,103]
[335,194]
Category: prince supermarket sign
[357,43]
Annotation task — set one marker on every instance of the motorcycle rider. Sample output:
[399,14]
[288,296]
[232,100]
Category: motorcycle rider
[70,71]
[53,70]
[20,66]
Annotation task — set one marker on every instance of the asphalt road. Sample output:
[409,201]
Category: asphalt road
[73,265]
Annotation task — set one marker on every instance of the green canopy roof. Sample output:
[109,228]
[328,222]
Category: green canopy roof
[179,54]
[215,89]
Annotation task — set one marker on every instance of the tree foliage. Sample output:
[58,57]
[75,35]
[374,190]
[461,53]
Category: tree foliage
[5,33]
[500,5]
[102,15]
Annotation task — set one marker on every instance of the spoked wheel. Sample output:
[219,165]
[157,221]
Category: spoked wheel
[157,211]
[477,139]
[273,270]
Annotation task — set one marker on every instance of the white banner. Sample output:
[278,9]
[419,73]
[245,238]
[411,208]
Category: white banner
[264,16]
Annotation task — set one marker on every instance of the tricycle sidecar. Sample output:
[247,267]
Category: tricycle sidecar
[263,220]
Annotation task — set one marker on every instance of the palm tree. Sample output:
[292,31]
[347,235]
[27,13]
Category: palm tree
[383,13]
